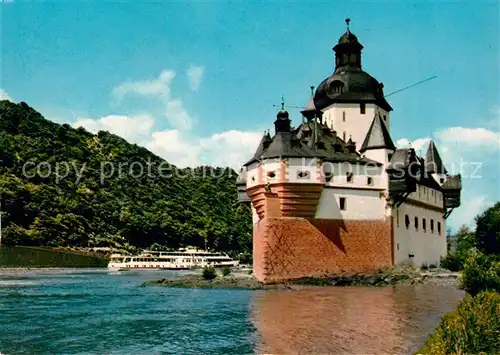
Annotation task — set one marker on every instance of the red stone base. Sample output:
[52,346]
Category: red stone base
[291,248]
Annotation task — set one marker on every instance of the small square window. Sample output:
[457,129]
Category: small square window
[343,203]
[369,180]
[362,108]
[349,177]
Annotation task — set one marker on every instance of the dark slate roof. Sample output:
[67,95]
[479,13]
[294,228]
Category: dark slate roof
[433,162]
[378,136]
[303,142]
[284,145]
[266,140]
[401,158]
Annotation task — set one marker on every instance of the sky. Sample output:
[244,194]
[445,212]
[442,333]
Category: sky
[197,82]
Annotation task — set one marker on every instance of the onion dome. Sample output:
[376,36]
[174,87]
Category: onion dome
[282,123]
[282,115]
[349,83]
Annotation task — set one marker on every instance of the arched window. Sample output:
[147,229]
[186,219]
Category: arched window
[424,224]
[416,223]
[407,221]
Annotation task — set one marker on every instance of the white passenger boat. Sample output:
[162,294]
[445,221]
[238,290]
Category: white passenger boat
[189,258]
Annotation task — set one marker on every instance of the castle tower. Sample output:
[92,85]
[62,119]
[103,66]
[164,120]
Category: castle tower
[349,98]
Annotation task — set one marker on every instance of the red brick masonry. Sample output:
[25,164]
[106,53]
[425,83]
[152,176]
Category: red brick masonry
[287,248]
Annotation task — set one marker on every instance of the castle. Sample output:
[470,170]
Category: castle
[335,194]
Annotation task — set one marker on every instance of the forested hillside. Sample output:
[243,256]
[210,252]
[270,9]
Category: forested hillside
[89,202]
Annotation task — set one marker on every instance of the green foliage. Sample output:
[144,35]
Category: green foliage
[466,241]
[226,271]
[42,257]
[209,273]
[452,262]
[481,273]
[245,257]
[488,230]
[473,328]
[195,207]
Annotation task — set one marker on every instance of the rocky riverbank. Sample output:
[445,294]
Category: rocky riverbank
[244,280]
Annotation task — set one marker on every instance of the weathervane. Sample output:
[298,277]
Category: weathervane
[347,21]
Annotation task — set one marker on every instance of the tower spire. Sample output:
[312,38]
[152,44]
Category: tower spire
[347,21]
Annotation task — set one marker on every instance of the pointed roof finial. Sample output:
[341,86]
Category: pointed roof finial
[282,102]
[347,21]
[312,90]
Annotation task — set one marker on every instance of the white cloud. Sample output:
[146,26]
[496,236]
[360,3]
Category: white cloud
[420,144]
[177,114]
[131,128]
[230,148]
[4,95]
[174,148]
[472,137]
[195,74]
[159,87]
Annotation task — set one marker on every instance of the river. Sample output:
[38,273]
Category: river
[93,311]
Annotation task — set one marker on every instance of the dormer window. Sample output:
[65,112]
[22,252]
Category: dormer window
[362,108]
[369,181]
[271,174]
[303,175]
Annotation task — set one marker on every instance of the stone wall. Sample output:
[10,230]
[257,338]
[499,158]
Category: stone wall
[291,248]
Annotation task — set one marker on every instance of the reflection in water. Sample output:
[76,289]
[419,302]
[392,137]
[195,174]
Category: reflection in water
[349,320]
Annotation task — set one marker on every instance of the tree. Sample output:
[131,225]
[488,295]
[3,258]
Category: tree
[488,230]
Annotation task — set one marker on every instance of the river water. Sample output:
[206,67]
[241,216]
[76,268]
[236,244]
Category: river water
[93,311]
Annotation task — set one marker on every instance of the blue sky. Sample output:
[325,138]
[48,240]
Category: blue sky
[99,64]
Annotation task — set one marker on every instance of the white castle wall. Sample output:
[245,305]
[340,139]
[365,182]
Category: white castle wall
[348,120]
[360,174]
[360,204]
[307,167]
[427,245]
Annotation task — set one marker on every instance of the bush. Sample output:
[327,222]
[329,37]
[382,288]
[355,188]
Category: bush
[473,328]
[424,267]
[226,271]
[209,273]
[245,258]
[453,262]
[432,266]
[481,273]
